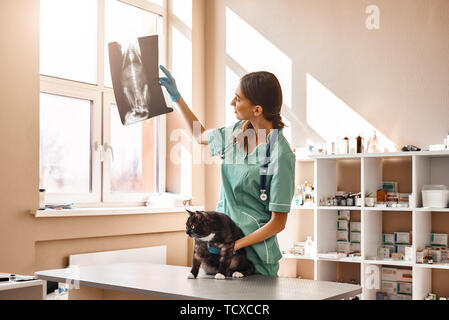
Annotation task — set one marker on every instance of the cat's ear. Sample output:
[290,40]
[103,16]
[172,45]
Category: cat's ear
[190,212]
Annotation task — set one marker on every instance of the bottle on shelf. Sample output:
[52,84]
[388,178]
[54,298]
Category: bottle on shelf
[346,144]
[359,144]
[373,145]
[298,197]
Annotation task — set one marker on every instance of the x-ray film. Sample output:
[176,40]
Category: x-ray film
[135,79]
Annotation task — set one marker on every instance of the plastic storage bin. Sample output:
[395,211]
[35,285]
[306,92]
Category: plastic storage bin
[436,196]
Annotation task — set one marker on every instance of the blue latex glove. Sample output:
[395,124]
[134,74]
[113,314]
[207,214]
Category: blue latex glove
[170,84]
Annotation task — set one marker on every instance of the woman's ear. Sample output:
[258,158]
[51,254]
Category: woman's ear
[257,109]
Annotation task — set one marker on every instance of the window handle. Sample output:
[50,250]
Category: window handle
[107,147]
[99,147]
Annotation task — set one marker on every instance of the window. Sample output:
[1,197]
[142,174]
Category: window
[86,155]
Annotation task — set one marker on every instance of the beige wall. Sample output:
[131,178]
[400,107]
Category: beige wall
[28,244]
[396,78]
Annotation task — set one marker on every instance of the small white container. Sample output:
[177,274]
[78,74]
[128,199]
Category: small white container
[436,196]
[41,199]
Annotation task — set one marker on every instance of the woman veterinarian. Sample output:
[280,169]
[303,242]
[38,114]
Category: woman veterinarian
[258,166]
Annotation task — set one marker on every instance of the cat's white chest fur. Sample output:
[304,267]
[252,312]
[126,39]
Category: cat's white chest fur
[208,238]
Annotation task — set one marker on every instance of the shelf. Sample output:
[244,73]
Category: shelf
[444,153]
[296,256]
[346,259]
[432,209]
[433,266]
[387,209]
[303,207]
[390,262]
[339,208]
[365,173]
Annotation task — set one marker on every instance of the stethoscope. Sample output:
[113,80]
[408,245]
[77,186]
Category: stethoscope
[264,168]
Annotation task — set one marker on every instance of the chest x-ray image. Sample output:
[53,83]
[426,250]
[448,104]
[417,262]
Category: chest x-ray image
[135,80]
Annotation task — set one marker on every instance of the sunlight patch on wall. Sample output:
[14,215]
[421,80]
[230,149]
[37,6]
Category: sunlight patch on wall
[255,53]
[332,118]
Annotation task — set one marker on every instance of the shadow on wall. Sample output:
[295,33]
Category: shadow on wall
[327,117]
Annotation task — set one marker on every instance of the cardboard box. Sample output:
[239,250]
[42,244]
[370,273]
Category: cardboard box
[402,237]
[355,226]
[404,287]
[343,246]
[401,248]
[408,253]
[404,275]
[343,225]
[389,274]
[355,247]
[391,248]
[397,256]
[399,296]
[388,238]
[438,239]
[343,215]
[383,253]
[355,237]
[389,287]
[342,236]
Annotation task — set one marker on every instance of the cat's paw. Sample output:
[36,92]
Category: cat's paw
[190,276]
[237,275]
[219,276]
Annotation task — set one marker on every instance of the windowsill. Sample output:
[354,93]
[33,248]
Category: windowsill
[89,212]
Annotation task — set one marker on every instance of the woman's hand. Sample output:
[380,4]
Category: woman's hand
[170,84]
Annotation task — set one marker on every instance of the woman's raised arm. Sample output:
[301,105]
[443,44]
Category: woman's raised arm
[170,84]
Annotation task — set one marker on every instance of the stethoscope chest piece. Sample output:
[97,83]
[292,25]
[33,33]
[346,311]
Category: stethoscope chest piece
[263,195]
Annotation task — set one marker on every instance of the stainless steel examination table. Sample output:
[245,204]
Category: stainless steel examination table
[153,281]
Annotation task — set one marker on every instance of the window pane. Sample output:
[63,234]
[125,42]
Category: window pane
[65,144]
[125,23]
[68,39]
[132,169]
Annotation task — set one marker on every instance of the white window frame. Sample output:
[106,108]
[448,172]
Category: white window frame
[101,98]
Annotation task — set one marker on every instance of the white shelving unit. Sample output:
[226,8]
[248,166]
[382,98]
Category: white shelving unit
[364,173]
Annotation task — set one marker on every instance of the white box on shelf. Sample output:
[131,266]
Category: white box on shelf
[388,238]
[436,196]
[383,253]
[343,246]
[399,296]
[404,287]
[404,275]
[401,248]
[342,236]
[356,236]
[389,274]
[439,239]
[342,225]
[343,215]
[390,248]
[408,253]
[402,237]
[355,247]
[389,287]
[355,226]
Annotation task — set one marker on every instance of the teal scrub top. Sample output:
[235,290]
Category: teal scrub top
[240,189]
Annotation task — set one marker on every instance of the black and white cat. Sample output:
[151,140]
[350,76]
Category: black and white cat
[215,234]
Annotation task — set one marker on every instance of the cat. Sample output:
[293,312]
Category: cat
[215,234]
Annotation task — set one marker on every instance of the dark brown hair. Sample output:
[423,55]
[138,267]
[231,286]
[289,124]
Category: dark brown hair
[262,88]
